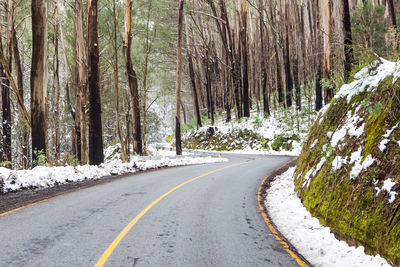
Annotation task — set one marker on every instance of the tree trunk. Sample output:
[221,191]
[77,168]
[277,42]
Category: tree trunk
[192,77]
[82,79]
[116,87]
[264,77]
[178,141]
[348,40]
[24,134]
[244,48]
[96,155]
[56,81]
[289,80]
[392,13]
[38,94]
[132,81]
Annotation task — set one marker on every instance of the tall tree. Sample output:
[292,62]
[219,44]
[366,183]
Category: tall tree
[178,141]
[38,93]
[244,48]
[348,39]
[80,110]
[289,80]
[264,77]
[132,81]
[56,82]
[192,75]
[96,156]
[116,85]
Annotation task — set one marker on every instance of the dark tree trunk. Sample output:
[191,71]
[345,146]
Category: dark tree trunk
[348,40]
[264,77]
[318,88]
[244,49]
[194,89]
[38,97]
[297,83]
[289,81]
[96,156]
[392,13]
[178,141]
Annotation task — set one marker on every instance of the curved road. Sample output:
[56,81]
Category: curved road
[212,221]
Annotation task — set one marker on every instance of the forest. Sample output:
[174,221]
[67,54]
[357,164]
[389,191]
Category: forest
[80,75]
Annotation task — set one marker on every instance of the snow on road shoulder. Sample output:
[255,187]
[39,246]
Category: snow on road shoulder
[314,241]
[42,177]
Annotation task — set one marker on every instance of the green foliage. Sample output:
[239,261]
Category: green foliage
[351,207]
[41,159]
[372,110]
[369,28]
[5,163]
[285,142]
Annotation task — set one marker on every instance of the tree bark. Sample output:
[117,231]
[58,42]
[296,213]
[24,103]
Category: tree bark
[192,77]
[24,135]
[264,77]
[289,80]
[56,81]
[348,40]
[132,81]
[116,86]
[96,155]
[38,94]
[80,111]
[178,141]
[244,48]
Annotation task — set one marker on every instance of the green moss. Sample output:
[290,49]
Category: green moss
[351,207]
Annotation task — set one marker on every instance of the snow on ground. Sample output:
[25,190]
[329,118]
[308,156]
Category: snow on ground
[279,123]
[368,78]
[314,241]
[41,177]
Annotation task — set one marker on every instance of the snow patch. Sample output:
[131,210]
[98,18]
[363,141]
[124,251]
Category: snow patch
[382,145]
[369,78]
[41,177]
[356,158]
[314,241]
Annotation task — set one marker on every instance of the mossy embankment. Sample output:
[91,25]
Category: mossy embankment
[348,174]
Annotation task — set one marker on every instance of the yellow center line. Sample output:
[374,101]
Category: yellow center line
[274,231]
[118,239]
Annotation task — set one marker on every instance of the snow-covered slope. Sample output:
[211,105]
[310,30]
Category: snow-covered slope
[276,134]
[348,174]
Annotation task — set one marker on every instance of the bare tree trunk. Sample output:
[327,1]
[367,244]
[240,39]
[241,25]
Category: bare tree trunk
[327,45]
[82,79]
[24,134]
[244,48]
[56,81]
[192,77]
[348,40]
[132,81]
[264,77]
[289,80]
[145,74]
[96,155]
[178,141]
[38,94]
[116,87]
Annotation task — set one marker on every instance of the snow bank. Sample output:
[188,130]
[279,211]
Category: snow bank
[314,241]
[41,177]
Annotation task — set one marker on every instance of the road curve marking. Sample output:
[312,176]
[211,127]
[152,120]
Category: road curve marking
[117,240]
[274,231]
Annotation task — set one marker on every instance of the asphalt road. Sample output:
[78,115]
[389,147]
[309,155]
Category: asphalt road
[212,221]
